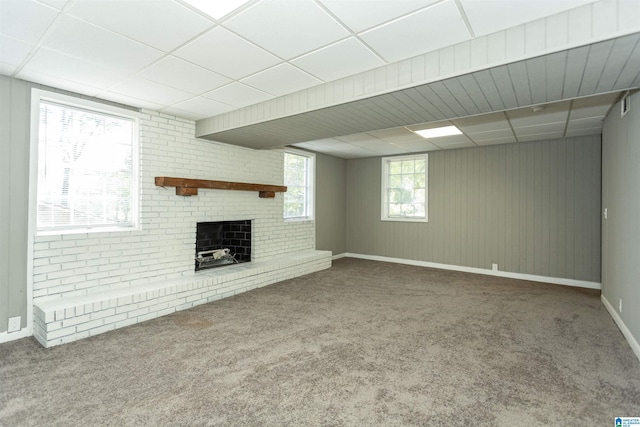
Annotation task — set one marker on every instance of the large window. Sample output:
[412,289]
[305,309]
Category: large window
[404,188]
[299,178]
[87,165]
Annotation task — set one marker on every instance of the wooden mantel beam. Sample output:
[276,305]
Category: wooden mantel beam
[189,187]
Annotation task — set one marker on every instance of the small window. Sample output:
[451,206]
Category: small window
[87,165]
[404,188]
[299,177]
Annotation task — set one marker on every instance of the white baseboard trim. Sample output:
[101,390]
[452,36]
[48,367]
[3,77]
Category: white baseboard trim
[498,273]
[335,257]
[22,333]
[635,346]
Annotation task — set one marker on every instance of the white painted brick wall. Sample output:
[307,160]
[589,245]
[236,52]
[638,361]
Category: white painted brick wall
[163,248]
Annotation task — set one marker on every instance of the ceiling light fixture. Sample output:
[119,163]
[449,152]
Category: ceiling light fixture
[538,108]
[438,132]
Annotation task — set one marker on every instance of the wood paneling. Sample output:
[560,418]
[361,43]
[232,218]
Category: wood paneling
[532,208]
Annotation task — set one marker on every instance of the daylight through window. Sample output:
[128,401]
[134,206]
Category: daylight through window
[404,188]
[86,168]
[298,177]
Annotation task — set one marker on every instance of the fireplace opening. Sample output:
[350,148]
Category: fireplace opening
[222,243]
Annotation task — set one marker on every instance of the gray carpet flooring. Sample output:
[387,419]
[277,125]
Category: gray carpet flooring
[364,343]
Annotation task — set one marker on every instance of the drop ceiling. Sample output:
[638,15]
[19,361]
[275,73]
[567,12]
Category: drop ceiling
[169,56]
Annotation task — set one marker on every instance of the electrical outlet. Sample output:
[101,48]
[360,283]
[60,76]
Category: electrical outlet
[494,266]
[606,211]
[14,324]
[620,305]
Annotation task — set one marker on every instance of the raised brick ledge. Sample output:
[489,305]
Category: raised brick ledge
[75,317]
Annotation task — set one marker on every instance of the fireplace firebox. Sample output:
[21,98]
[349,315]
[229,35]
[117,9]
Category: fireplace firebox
[222,243]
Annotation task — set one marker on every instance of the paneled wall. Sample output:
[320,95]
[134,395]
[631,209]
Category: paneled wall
[331,204]
[14,199]
[532,208]
[621,229]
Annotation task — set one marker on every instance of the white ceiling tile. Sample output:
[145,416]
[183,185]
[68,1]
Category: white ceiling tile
[166,24]
[287,28]
[541,136]
[58,4]
[48,62]
[591,122]
[447,146]
[216,9]
[6,68]
[583,132]
[484,136]
[429,29]
[450,140]
[177,73]
[539,129]
[238,95]
[83,40]
[552,113]
[364,14]
[396,135]
[377,146]
[341,59]
[356,138]
[495,141]
[184,114]
[202,106]
[58,82]
[482,123]
[418,146]
[25,19]
[150,91]
[281,80]
[336,148]
[13,51]
[130,100]
[490,16]
[593,106]
[228,54]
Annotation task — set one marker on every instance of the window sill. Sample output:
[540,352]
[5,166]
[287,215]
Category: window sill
[87,231]
[400,219]
[299,219]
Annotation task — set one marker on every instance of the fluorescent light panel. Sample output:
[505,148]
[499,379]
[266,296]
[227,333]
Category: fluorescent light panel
[438,132]
[216,8]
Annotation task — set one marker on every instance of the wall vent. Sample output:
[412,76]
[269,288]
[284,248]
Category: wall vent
[625,105]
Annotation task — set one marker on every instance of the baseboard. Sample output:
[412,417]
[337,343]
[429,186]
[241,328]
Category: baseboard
[22,333]
[635,346]
[498,273]
[335,257]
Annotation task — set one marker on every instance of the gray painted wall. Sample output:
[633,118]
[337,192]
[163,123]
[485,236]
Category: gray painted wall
[14,198]
[621,229]
[532,208]
[331,204]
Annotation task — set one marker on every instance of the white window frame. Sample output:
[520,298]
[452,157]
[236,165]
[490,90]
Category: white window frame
[384,216]
[39,95]
[311,185]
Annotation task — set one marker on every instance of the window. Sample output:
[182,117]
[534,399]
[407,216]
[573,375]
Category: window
[299,178]
[87,164]
[404,188]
